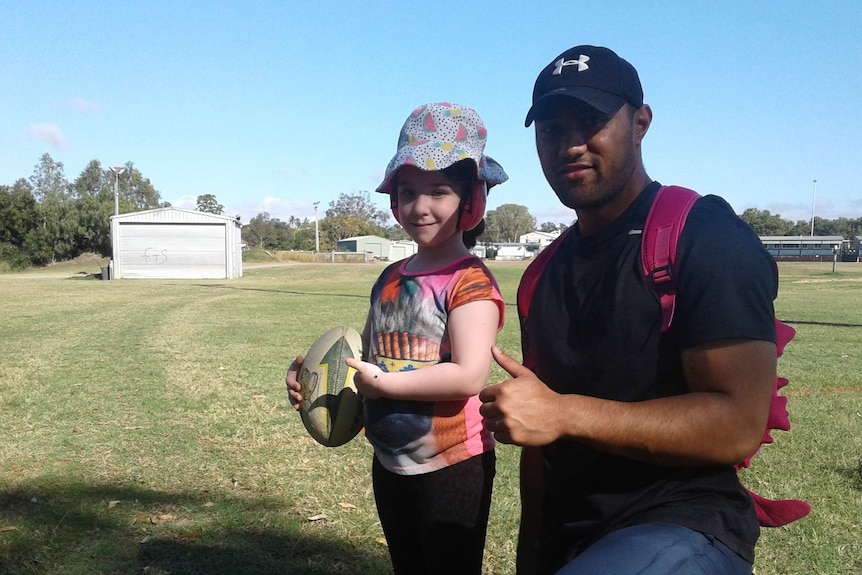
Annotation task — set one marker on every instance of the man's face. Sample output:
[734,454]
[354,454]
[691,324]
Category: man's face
[587,156]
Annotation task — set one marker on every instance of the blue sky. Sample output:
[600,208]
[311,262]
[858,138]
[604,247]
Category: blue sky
[271,106]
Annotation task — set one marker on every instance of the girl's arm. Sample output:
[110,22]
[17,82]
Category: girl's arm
[472,331]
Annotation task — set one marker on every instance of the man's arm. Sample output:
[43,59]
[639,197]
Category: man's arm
[720,422]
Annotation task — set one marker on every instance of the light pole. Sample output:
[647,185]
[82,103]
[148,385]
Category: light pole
[117,171]
[813,201]
[316,231]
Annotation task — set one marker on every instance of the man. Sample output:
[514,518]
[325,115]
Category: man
[629,435]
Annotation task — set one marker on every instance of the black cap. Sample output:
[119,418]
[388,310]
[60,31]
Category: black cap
[592,74]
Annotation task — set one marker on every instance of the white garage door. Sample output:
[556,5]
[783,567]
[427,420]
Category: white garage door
[156,250]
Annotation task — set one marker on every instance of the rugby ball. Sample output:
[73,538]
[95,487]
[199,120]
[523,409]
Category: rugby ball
[331,409]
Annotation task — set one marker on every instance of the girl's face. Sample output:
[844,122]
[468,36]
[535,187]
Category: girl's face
[428,204]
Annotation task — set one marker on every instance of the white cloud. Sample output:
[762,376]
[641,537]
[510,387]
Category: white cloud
[50,134]
[79,104]
[185,202]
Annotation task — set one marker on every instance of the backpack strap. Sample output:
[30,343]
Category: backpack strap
[659,243]
[529,281]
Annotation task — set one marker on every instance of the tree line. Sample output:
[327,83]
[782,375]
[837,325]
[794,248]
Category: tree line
[767,224]
[354,215]
[45,218]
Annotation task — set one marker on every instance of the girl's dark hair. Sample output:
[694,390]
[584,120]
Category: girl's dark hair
[470,236]
[463,174]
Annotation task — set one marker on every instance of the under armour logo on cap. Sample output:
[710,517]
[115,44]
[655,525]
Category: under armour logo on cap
[581,62]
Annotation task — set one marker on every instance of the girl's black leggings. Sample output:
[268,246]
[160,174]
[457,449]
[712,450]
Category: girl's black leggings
[435,523]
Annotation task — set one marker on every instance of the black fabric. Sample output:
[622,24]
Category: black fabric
[435,523]
[594,329]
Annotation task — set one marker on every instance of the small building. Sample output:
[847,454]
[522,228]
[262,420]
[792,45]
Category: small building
[377,246]
[173,243]
[805,248]
[543,239]
[480,251]
[512,251]
[400,249]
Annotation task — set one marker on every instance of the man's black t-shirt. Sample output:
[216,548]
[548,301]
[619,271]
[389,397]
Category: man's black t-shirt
[594,329]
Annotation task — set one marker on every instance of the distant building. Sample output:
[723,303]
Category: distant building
[480,251]
[375,245]
[173,243]
[512,251]
[805,248]
[400,249]
[543,239]
[379,248]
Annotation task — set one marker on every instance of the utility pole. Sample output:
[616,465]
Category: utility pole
[813,201]
[316,231]
[117,171]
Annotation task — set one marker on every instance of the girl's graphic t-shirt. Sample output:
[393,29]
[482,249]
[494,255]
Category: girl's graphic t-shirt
[409,313]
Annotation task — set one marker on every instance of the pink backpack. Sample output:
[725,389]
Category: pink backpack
[659,242]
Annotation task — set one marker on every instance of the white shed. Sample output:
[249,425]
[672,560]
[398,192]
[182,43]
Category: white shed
[542,238]
[400,249]
[378,246]
[510,251]
[173,243]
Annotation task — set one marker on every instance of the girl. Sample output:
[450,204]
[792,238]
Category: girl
[427,340]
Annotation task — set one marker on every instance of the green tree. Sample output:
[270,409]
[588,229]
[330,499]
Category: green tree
[18,212]
[93,232]
[54,238]
[94,207]
[304,237]
[844,227]
[508,223]
[360,206]
[333,229]
[48,181]
[93,181]
[766,224]
[260,231]
[396,232]
[801,228]
[208,203]
[137,192]
[18,215]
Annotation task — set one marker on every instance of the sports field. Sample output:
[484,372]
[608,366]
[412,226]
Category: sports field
[145,427]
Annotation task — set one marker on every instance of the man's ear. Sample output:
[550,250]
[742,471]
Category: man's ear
[641,121]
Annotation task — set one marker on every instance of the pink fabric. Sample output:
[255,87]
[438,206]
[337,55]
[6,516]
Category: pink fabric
[777,512]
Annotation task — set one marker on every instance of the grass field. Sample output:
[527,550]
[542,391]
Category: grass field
[146,429]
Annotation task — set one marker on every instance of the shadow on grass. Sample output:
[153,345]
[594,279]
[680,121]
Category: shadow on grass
[76,529]
[291,292]
[823,323]
[852,474]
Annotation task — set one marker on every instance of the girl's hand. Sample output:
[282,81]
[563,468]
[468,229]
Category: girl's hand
[369,378]
[294,389]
